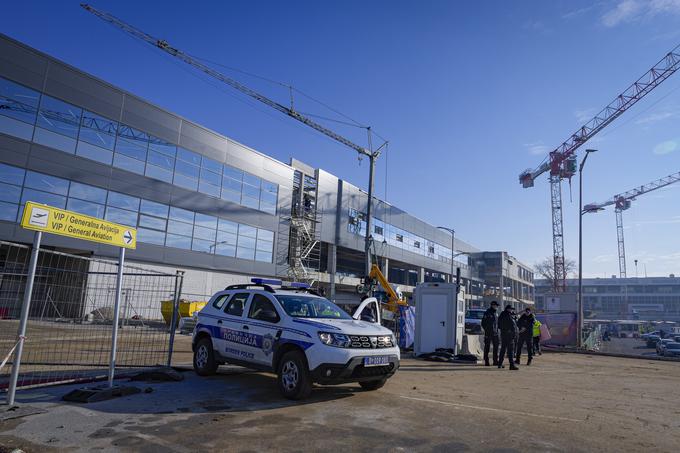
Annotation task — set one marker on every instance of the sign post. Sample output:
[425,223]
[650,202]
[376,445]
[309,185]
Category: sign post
[116,313]
[21,336]
[48,219]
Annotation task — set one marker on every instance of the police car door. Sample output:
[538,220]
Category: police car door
[230,325]
[263,325]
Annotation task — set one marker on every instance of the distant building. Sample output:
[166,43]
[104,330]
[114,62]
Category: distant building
[503,278]
[651,298]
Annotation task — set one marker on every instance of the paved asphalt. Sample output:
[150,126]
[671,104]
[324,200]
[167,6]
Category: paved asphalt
[563,402]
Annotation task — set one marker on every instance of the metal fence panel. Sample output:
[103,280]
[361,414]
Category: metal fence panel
[71,314]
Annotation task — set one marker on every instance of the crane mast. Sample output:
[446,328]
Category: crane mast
[167,48]
[621,203]
[561,162]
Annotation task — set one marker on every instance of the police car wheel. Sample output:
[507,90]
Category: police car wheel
[293,377]
[372,385]
[204,358]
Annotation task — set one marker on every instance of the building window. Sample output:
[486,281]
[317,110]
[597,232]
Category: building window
[57,123]
[18,109]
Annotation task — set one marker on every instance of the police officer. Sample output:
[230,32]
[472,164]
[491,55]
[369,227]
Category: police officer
[526,333]
[508,328]
[490,326]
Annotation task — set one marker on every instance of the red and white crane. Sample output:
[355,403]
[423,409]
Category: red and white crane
[622,202]
[561,162]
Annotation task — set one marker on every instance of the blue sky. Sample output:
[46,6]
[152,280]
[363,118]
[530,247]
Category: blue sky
[468,93]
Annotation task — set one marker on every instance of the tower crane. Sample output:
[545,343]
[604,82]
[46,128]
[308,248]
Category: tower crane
[289,111]
[561,162]
[622,202]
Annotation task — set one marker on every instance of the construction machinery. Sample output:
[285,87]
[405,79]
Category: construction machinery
[377,278]
[621,203]
[302,252]
[561,162]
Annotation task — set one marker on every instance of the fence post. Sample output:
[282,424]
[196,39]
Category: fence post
[116,316]
[179,280]
[21,336]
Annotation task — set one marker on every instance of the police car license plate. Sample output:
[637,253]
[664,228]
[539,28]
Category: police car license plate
[378,360]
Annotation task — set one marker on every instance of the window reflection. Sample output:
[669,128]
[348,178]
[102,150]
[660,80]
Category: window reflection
[59,116]
[71,129]
[157,223]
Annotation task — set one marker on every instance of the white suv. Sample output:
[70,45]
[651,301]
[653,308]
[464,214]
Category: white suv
[294,332]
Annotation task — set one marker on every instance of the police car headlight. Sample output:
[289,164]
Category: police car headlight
[335,339]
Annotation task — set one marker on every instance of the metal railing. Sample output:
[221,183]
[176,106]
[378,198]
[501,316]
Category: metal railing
[68,336]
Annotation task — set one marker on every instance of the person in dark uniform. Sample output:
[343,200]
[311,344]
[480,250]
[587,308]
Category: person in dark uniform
[490,326]
[508,329]
[526,333]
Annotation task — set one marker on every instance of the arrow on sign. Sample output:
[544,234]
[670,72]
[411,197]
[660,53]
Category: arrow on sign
[127,236]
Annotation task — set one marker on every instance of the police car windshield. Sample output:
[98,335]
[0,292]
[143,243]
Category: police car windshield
[310,307]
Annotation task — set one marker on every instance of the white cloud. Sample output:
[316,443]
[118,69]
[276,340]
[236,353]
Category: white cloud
[605,258]
[640,223]
[537,149]
[537,26]
[666,147]
[585,115]
[656,117]
[578,12]
[626,11]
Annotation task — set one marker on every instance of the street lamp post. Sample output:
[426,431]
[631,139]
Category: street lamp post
[579,338]
[453,242]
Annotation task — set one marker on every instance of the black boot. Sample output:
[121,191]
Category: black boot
[486,363]
[513,367]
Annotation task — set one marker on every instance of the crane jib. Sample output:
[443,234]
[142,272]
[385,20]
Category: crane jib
[666,67]
[163,45]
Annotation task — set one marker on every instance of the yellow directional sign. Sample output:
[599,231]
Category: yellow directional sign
[53,220]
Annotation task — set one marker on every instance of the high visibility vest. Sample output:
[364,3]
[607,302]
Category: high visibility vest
[537,328]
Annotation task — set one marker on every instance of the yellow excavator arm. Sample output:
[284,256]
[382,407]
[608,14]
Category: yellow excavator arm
[393,298]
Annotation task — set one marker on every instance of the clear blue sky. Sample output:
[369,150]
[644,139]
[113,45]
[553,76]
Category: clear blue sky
[468,93]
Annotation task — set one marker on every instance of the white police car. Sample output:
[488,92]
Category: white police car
[294,332]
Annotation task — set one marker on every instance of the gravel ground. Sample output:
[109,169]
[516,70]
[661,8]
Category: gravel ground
[563,402]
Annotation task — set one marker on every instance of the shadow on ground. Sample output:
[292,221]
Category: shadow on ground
[233,389]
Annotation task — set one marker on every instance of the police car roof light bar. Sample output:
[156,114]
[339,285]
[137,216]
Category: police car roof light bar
[299,285]
[265,281]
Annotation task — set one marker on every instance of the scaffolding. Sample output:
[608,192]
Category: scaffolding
[304,250]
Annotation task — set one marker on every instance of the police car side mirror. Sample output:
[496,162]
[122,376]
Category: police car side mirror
[367,316]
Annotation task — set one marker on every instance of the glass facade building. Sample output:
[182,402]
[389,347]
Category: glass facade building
[199,200]
[648,298]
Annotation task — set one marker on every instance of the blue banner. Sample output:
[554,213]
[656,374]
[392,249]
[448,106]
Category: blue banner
[407,326]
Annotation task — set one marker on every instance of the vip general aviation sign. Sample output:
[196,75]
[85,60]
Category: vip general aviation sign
[53,220]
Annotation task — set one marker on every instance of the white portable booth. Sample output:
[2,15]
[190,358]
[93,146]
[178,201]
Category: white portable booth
[440,317]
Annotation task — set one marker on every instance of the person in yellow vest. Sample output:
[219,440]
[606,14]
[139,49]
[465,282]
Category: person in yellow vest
[537,337]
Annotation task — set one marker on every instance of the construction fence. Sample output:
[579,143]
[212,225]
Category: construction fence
[68,337]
